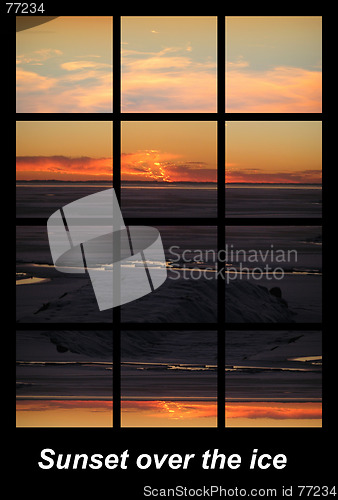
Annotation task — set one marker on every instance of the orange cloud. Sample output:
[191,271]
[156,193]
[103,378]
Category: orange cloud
[255,175]
[277,411]
[174,410]
[278,90]
[79,65]
[63,168]
[158,62]
[29,81]
[38,56]
[151,165]
[64,413]
[84,86]
[167,82]
[46,405]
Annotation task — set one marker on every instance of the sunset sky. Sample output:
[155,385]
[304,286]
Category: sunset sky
[274,414]
[273,64]
[164,413]
[282,152]
[65,65]
[169,64]
[64,150]
[162,151]
[64,413]
[169,151]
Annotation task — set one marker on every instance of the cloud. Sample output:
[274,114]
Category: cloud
[175,410]
[154,165]
[165,92]
[168,80]
[277,412]
[38,56]
[63,167]
[259,175]
[196,172]
[281,89]
[80,65]
[40,405]
[145,165]
[240,63]
[29,81]
[158,63]
[82,92]
[68,86]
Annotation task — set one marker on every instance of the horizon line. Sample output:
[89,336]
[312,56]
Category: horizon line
[166,182]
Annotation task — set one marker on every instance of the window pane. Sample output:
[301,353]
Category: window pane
[169,64]
[64,65]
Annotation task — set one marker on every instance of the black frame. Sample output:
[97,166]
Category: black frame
[220,221]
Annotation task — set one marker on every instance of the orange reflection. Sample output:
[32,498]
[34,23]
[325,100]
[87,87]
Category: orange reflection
[64,413]
[169,413]
[274,414]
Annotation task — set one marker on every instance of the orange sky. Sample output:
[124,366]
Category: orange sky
[274,414]
[64,151]
[273,64]
[204,414]
[169,151]
[64,413]
[65,65]
[169,413]
[169,63]
[281,152]
[97,413]
[162,151]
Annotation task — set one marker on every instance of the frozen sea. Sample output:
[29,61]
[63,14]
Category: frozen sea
[139,200]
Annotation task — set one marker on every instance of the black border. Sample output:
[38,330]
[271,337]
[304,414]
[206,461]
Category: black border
[311,444]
